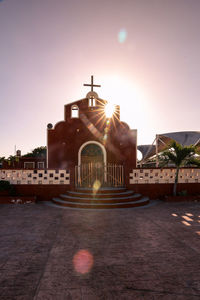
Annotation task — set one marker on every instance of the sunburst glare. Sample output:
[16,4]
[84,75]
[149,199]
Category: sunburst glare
[109,110]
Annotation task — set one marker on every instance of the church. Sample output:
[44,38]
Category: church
[91,161]
[92,143]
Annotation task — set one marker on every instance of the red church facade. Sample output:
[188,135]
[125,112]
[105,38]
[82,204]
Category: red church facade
[87,137]
[91,149]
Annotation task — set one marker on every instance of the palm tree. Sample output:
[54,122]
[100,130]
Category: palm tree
[180,156]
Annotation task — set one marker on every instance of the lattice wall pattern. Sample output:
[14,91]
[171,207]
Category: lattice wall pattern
[35,176]
[138,176]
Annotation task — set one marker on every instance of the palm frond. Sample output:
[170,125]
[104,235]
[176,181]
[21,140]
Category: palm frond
[178,154]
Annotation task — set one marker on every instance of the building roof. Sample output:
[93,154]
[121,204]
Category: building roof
[147,150]
[185,138]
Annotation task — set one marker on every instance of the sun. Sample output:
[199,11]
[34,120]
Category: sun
[109,110]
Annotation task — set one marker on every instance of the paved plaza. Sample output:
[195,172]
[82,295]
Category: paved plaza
[144,253]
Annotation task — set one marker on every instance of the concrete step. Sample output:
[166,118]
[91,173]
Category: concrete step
[92,199]
[103,190]
[141,202]
[103,199]
[102,194]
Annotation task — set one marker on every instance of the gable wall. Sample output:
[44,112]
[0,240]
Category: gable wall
[65,139]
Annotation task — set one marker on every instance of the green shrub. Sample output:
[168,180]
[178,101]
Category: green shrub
[6,186]
[183,193]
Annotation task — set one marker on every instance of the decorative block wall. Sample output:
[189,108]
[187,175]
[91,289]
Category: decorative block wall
[35,176]
[186,175]
[137,176]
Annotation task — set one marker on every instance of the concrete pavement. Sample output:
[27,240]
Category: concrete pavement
[146,253]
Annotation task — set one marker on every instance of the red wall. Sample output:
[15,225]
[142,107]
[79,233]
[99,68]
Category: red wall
[160,190]
[44,192]
[154,191]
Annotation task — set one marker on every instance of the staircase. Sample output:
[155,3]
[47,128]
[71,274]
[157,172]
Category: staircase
[105,198]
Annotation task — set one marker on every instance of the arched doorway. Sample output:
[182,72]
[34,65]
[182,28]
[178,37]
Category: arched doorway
[93,170]
[99,150]
[91,164]
[92,153]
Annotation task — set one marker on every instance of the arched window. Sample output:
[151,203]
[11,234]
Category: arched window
[92,102]
[74,111]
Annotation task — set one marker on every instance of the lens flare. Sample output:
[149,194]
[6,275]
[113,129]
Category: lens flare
[96,186]
[83,261]
[122,35]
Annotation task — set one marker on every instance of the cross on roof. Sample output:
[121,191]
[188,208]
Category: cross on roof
[92,84]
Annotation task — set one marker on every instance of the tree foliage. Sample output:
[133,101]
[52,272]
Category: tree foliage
[179,155]
[37,152]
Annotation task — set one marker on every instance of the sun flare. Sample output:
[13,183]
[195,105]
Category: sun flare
[109,110]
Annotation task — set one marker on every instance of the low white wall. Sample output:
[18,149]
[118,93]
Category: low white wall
[35,176]
[189,175]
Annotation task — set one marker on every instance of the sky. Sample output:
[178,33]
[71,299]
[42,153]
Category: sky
[143,53]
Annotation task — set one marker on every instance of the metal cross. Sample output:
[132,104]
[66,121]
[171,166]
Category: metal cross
[92,84]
